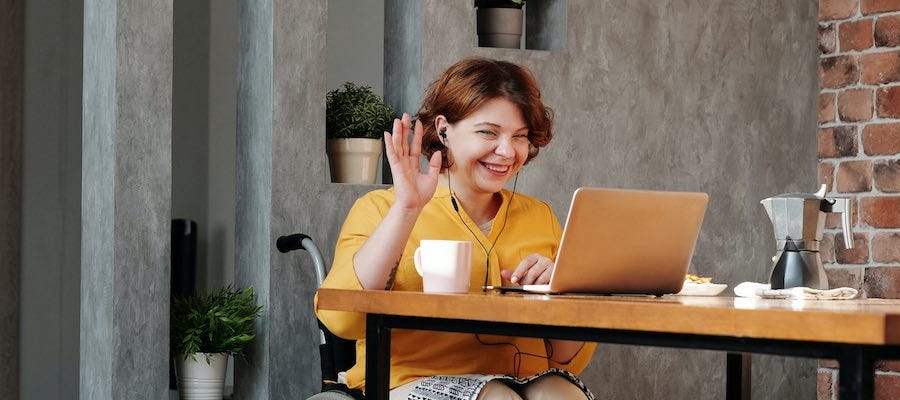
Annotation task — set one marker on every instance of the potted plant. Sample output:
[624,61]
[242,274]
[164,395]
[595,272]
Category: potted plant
[499,23]
[355,119]
[205,330]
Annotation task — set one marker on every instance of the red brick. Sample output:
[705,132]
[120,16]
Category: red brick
[878,67]
[882,282]
[881,139]
[856,35]
[854,176]
[886,247]
[826,175]
[887,175]
[839,141]
[833,220]
[827,39]
[845,277]
[838,71]
[836,9]
[888,365]
[855,105]
[887,102]
[887,387]
[876,6]
[825,384]
[887,31]
[859,254]
[880,212]
[826,107]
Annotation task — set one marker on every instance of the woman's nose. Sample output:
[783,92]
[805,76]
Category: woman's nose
[505,148]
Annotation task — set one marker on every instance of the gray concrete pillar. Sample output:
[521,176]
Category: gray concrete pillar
[253,185]
[12,62]
[280,168]
[126,199]
[403,86]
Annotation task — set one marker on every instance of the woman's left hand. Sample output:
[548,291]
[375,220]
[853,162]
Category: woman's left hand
[534,269]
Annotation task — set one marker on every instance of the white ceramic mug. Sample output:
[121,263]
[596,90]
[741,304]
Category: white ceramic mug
[445,265]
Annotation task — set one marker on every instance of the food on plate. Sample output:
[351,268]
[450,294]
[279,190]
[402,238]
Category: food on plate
[697,279]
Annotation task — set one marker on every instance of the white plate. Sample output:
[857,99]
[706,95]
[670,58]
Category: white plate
[702,289]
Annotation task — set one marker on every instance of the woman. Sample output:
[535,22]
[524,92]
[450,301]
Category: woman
[479,124]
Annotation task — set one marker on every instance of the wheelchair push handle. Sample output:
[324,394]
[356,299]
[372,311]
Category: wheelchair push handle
[298,241]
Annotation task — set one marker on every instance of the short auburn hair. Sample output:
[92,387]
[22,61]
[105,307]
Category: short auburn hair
[468,84]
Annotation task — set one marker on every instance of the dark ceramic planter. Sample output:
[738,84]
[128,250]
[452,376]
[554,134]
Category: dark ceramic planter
[499,27]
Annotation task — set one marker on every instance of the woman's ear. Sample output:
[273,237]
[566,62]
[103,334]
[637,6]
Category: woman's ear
[440,126]
[440,123]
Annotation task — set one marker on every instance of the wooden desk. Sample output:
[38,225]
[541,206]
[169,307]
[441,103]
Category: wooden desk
[854,332]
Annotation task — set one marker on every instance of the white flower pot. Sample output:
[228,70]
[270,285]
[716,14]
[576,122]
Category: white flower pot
[499,27]
[203,379]
[354,160]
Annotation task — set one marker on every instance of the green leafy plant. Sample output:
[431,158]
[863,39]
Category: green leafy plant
[221,322]
[499,3]
[356,112]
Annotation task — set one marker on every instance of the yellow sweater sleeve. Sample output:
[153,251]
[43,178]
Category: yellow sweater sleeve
[364,216]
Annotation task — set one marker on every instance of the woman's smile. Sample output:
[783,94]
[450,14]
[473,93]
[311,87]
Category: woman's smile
[497,168]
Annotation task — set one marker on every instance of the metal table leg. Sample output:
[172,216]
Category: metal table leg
[737,376]
[856,378]
[378,352]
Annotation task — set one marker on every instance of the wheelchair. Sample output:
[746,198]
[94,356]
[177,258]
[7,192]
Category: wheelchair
[337,354]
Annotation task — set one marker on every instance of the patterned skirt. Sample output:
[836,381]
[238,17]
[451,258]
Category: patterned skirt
[467,387]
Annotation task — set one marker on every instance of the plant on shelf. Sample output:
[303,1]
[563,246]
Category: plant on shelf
[499,23]
[355,119]
[204,331]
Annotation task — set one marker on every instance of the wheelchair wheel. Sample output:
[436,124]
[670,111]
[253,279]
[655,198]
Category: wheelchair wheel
[331,395]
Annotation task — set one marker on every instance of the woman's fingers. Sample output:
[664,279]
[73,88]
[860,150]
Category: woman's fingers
[404,134]
[534,269]
[416,147]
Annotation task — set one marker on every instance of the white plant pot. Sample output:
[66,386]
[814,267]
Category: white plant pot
[499,27]
[353,160]
[202,380]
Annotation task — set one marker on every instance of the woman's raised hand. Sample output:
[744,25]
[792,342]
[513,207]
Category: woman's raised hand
[412,188]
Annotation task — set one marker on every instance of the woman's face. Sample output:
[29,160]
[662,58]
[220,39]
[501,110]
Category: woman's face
[488,147]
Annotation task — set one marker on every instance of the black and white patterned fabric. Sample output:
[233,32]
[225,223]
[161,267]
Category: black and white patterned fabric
[467,387]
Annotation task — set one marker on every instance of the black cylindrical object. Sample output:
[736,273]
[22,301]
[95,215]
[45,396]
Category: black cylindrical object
[184,257]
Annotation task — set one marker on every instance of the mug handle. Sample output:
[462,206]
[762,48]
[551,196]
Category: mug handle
[417,261]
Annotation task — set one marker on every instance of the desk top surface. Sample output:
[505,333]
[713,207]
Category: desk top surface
[870,321]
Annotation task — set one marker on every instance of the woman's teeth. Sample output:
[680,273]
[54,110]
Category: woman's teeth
[496,168]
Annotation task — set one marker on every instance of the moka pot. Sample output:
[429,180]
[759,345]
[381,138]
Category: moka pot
[798,220]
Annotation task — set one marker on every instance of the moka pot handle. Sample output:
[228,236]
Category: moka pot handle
[843,206]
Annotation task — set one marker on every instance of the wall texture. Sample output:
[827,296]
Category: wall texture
[12,62]
[126,199]
[51,200]
[859,155]
[678,95]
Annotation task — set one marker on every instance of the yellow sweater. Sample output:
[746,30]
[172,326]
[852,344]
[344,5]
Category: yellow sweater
[530,227]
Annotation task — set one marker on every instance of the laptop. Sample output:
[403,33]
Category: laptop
[619,241]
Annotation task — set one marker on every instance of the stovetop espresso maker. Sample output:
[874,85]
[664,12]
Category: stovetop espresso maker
[798,220]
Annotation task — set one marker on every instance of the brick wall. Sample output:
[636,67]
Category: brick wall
[859,156]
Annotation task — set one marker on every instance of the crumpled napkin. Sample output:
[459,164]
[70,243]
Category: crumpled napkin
[763,290]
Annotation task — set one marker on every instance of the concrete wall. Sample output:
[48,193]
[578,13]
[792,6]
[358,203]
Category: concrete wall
[676,95]
[126,200]
[51,209]
[679,95]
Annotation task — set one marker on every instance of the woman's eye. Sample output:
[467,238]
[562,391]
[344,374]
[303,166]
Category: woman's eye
[523,136]
[487,133]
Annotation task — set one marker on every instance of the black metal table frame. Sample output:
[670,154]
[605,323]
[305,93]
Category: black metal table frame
[856,361]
